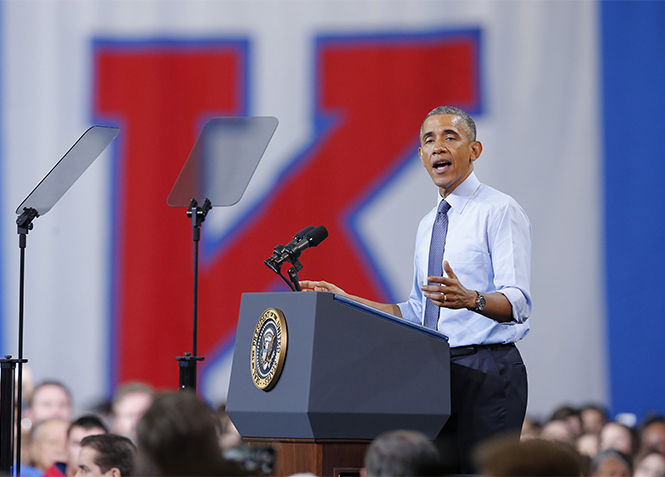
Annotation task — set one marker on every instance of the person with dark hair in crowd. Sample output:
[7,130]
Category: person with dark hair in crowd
[84,426]
[107,455]
[571,417]
[594,417]
[179,435]
[501,457]
[611,463]
[472,269]
[402,454]
[652,434]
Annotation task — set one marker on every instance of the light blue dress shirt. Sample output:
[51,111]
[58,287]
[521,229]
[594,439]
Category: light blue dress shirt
[488,246]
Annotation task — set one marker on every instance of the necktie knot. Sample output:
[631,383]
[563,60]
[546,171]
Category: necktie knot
[444,207]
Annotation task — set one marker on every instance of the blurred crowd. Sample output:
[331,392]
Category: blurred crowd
[144,432]
[617,447]
[139,432]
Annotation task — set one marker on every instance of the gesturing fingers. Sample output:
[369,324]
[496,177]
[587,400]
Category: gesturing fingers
[449,270]
[445,291]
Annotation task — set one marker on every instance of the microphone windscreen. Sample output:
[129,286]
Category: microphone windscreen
[303,233]
[318,235]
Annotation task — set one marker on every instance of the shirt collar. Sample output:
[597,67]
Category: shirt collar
[462,193]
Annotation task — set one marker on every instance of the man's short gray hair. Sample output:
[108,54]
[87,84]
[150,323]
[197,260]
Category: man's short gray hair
[463,115]
[402,453]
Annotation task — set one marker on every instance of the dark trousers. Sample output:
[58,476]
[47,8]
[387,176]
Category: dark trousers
[488,388]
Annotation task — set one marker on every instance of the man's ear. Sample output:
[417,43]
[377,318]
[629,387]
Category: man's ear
[476,150]
[114,472]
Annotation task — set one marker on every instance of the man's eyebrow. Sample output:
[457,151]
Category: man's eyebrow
[445,131]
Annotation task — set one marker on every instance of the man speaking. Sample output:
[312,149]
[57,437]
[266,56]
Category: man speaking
[471,283]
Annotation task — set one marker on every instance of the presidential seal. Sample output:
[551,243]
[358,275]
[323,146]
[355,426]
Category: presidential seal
[268,349]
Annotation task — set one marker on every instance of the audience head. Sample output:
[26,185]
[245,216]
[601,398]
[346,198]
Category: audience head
[47,442]
[402,453]
[652,435]
[50,399]
[84,426]
[619,437]
[587,445]
[557,431]
[611,462]
[129,403]
[650,463]
[594,418]
[571,417]
[509,457]
[106,455]
[178,435]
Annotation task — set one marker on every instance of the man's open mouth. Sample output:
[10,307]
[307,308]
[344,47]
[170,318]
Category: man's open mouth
[440,166]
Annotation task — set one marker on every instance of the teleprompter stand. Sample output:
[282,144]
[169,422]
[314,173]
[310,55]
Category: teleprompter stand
[43,197]
[216,173]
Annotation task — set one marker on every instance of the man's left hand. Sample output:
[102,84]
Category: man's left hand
[448,292]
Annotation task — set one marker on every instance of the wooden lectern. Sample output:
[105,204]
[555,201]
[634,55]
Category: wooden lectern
[348,373]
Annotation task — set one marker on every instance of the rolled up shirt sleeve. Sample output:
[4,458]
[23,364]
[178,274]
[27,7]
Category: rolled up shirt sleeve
[509,238]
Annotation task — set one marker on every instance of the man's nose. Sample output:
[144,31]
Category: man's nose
[439,146]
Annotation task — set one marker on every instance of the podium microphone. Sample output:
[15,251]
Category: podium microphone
[308,237]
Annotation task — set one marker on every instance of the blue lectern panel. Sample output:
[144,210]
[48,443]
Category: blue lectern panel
[349,373]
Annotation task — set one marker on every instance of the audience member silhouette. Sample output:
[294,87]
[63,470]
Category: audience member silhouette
[402,453]
[178,435]
[611,463]
[534,457]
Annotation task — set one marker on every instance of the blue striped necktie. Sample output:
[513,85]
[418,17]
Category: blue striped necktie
[435,266]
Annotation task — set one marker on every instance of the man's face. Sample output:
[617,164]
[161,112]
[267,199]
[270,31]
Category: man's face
[128,411]
[447,151]
[653,437]
[48,445]
[86,466]
[76,435]
[615,436]
[50,401]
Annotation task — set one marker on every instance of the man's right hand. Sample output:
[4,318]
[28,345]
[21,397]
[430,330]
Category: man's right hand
[321,286]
